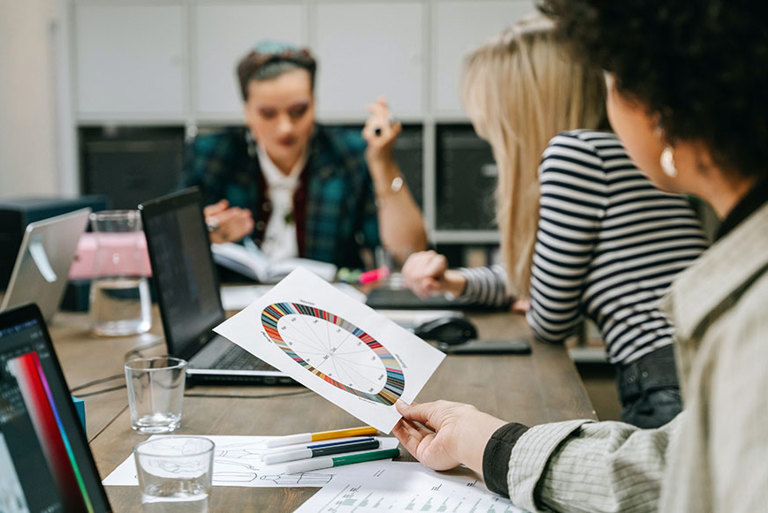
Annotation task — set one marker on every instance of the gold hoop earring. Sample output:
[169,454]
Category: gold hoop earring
[667,162]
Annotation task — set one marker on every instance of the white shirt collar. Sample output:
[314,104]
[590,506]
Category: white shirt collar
[272,174]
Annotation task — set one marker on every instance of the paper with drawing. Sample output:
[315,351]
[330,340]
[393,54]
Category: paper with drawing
[343,350]
[237,461]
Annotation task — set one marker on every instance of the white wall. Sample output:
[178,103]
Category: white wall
[27,119]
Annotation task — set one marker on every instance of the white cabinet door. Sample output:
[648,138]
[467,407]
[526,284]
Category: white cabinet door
[368,49]
[130,61]
[458,28]
[223,34]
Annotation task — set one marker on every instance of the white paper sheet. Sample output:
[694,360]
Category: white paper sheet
[343,350]
[237,462]
[399,486]
[237,297]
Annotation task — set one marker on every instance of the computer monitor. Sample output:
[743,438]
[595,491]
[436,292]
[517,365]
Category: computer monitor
[45,462]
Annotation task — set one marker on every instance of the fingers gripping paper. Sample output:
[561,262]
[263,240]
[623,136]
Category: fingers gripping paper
[341,349]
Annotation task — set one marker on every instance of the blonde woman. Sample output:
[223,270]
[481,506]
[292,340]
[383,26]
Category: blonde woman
[583,232]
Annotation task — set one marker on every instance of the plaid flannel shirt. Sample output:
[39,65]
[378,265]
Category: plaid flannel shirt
[335,206]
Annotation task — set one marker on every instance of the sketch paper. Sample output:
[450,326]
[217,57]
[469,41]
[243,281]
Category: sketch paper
[343,350]
[237,462]
[400,486]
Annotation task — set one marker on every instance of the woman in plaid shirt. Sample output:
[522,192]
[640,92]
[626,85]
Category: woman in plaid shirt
[297,188]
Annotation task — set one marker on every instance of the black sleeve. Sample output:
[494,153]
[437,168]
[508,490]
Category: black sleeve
[496,456]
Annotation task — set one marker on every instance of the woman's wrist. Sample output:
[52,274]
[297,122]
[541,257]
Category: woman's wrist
[471,445]
[387,179]
[454,282]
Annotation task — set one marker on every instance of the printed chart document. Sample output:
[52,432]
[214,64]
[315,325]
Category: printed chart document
[398,486]
[343,350]
[237,461]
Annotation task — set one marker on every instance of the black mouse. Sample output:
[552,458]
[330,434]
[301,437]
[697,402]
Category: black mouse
[448,330]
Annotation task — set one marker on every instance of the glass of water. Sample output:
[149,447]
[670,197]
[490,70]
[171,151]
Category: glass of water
[175,473]
[155,393]
[120,300]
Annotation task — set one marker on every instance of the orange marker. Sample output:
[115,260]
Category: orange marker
[322,435]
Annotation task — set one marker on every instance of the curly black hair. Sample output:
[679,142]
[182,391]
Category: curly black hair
[700,65]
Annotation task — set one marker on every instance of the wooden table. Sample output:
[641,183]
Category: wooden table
[532,389]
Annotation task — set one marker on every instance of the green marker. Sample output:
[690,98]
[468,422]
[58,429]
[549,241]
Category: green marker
[327,462]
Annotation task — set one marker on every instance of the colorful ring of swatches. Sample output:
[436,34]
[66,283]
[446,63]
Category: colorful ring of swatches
[395,382]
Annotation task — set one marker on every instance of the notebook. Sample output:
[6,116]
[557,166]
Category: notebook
[42,266]
[188,294]
[45,462]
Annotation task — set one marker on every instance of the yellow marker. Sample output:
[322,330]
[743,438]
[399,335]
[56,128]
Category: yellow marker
[322,435]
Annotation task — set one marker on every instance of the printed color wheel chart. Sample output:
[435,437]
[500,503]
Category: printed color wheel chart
[335,350]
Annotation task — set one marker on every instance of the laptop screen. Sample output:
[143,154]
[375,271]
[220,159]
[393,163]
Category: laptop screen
[183,269]
[45,462]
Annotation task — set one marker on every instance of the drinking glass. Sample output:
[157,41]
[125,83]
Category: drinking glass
[120,300]
[155,393]
[175,473]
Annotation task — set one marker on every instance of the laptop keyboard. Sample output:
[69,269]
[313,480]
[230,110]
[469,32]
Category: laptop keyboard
[239,359]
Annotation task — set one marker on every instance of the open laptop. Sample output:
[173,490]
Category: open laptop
[41,270]
[45,462]
[188,294]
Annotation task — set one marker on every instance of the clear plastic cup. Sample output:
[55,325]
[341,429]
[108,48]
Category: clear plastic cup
[175,473]
[155,393]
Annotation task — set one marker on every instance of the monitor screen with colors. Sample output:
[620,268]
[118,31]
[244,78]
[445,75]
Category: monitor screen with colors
[45,462]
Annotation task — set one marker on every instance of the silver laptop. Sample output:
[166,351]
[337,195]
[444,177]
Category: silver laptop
[41,270]
[188,294]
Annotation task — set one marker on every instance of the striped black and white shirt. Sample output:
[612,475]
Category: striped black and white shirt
[608,246]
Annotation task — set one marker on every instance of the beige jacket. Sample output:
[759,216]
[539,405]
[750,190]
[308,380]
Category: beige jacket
[713,457]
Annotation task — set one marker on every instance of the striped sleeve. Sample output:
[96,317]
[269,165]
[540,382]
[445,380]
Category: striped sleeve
[590,467]
[572,205]
[486,286]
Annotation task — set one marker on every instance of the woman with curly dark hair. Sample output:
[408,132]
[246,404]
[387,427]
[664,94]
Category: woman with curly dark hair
[686,95]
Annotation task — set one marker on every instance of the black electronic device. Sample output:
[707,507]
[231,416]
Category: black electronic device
[131,164]
[188,294]
[465,168]
[387,298]
[447,330]
[45,461]
[504,346]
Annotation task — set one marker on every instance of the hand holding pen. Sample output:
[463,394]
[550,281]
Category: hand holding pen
[380,132]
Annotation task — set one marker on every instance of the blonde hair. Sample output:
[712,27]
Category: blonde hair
[521,89]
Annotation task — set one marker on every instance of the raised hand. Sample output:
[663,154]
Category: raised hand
[380,133]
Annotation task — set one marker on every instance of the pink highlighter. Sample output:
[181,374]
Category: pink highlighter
[373,275]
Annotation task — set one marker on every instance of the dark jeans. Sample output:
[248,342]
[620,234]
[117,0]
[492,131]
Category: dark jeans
[649,391]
